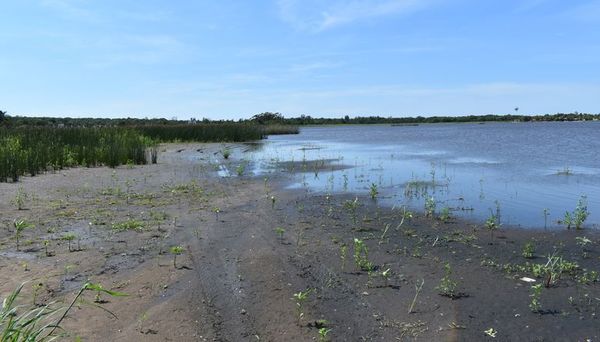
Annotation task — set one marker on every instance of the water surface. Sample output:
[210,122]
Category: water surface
[519,169]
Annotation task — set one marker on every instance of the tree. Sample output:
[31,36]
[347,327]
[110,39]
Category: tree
[267,117]
[2,115]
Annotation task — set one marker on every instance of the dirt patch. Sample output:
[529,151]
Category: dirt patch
[263,263]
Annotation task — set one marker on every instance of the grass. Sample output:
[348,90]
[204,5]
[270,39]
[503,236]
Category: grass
[39,323]
[34,150]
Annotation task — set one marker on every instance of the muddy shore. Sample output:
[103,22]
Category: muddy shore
[250,245]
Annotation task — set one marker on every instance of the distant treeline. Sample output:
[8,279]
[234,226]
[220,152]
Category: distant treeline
[308,120]
[274,123]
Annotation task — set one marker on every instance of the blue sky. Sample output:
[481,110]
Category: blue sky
[231,59]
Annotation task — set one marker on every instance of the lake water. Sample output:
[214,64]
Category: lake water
[521,169]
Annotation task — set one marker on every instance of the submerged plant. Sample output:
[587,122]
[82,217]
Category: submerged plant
[445,215]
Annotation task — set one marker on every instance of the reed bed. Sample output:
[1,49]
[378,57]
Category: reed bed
[34,150]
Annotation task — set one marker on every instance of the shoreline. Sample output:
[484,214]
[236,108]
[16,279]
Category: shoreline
[238,273]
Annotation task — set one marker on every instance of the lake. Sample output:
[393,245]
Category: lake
[530,173]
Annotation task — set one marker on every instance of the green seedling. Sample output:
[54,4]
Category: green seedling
[447,286]
[352,207]
[176,250]
[536,292]
[343,254]
[373,191]
[20,225]
[430,206]
[280,231]
[492,225]
[323,332]
[226,152]
[69,237]
[300,298]
[216,210]
[583,242]
[46,244]
[445,215]
[578,217]
[361,256]
[528,250]
[240,169]
[20,198]
[273,200]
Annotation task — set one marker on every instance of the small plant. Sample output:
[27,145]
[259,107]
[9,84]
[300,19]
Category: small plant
[361,256]
[226,152]
[536,292]
[528,250]
[492,224]
[69,237]
[373,192]
[323,332]
[176,250]
[430,206]
[546,214]
[343,254]
[491,332]
[445,215]
[578,217]
[18,323]
[300,298]
[20,226]
[583,242]
[273,200]
[352,207]
[216,210]
[240,169]
[447,286]
[280,231]
[20,198]
[46,244]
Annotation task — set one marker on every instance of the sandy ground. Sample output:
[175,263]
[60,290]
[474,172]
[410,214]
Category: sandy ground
[249,245]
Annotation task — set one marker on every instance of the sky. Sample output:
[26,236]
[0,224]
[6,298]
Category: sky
[230,59]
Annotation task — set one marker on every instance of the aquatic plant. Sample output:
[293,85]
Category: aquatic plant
[578,217]
[280,231]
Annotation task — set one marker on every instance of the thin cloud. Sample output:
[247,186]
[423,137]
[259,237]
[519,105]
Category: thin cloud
[317,16]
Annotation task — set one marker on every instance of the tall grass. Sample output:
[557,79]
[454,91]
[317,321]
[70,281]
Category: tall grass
[206,132]
[280,129]
[29,151]
[34,150]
